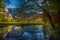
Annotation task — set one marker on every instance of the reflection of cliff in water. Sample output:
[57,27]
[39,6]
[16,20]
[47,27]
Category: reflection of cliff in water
[25,33]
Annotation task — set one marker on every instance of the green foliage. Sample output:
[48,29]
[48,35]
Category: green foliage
[3,30]
[1,4]
[1,17]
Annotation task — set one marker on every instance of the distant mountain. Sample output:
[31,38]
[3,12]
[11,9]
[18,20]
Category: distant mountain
[19,15]
[11,11]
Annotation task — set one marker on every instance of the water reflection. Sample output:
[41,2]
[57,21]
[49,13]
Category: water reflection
[25,33]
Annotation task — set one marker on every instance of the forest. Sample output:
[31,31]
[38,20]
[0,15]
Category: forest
[26,13]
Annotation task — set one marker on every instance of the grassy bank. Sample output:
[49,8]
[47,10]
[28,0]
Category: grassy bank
[21,23]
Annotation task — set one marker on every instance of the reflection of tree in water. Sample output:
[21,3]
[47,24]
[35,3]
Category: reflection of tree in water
[29,33]
[25,33]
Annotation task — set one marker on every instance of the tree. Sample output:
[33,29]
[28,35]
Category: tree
[36,5]
[1,4]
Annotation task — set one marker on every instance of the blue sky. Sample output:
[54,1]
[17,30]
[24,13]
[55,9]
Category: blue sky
[16,3]
[11,3]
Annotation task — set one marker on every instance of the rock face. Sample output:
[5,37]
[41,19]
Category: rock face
[5,16]
[6,13]
[29,17]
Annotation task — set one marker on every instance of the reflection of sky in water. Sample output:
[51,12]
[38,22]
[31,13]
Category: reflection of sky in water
[26,35]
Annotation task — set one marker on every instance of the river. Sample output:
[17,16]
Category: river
[25,33]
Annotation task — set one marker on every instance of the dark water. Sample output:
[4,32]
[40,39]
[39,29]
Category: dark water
[25,33]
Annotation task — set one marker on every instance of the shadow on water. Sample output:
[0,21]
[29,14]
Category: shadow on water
[31,32]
